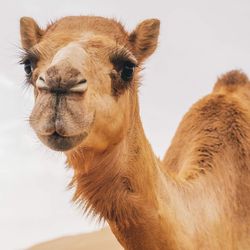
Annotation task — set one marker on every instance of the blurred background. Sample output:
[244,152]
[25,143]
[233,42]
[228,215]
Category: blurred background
[199,40]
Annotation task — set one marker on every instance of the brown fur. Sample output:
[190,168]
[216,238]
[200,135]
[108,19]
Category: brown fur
[198,196]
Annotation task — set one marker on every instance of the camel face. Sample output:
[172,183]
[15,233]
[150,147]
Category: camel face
[84,71]
[75,101]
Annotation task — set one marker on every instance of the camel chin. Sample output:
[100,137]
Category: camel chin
[61,143]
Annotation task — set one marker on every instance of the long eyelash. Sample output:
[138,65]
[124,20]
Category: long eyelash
[122,54]
[31,55]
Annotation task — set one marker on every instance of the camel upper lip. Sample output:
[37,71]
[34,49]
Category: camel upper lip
[56,134]
[62,143]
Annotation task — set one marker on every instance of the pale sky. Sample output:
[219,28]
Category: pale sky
[199,40]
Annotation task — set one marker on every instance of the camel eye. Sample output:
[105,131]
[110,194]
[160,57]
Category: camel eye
[127,71]
[28,68]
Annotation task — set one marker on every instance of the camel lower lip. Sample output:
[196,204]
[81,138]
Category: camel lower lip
[61,143]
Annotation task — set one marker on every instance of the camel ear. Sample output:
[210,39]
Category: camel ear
[30,32]
[144,38]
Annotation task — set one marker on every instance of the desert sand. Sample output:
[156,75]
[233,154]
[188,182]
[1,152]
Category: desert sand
[101,240]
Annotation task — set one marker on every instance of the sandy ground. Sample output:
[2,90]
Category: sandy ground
[101,240]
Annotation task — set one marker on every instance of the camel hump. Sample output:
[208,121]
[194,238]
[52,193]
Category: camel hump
[231,81]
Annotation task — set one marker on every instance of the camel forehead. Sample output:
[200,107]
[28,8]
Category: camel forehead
[81,24]
[75,49]
[81,47]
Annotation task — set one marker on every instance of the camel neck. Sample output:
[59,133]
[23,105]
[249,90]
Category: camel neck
[121,170]
[120,185]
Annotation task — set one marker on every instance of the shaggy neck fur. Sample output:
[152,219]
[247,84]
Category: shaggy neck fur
[112,184]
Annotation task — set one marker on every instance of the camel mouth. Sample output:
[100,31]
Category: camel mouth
[61,143]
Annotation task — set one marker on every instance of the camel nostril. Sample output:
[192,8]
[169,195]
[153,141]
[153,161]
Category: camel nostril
[41,79]
[82,81]
[80,87]
[41,84]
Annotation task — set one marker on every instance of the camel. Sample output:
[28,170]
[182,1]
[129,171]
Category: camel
[85,72]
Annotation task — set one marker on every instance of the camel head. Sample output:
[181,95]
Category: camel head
[84,71]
